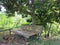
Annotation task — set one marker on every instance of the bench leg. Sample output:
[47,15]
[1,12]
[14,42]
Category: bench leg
[10,32]
[26,43]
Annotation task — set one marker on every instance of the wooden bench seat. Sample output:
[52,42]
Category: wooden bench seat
[28,31]
[24,33]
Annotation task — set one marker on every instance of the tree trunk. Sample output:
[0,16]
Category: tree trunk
[57,28]
[44,28]
[49,35]
[32,12]
[33,19]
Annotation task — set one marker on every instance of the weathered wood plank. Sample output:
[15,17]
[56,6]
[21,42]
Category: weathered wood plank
[26,34]
[28,30]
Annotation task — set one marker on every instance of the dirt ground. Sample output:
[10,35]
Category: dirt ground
[21,41]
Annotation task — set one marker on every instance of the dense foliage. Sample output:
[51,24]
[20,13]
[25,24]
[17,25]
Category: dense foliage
[11,22]
[44,12]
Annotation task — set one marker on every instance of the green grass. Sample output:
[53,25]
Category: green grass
[52,42]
